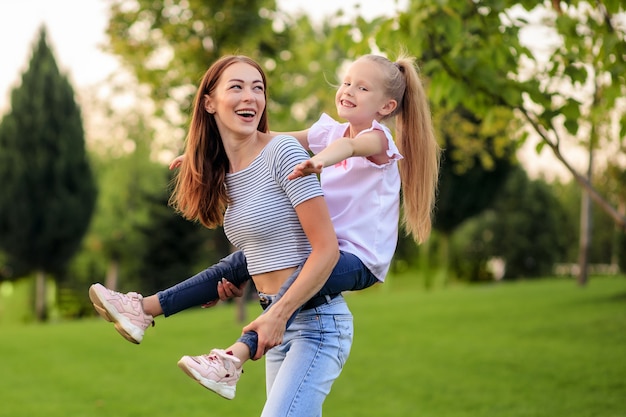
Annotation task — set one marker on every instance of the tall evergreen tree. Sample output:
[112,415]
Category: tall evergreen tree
[48,190]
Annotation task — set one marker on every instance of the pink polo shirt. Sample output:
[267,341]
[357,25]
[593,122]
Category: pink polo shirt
[363,198]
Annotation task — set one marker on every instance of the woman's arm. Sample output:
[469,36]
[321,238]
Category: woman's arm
[372,144]
[315,220]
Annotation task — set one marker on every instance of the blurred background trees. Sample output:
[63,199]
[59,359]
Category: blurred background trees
[48,189]
[491,91]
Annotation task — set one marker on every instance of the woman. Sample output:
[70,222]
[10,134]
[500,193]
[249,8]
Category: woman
[234,172]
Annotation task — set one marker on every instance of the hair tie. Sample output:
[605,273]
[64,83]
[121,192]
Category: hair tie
[400,67]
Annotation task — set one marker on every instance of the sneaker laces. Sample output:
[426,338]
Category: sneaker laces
[134,296]
[221,355]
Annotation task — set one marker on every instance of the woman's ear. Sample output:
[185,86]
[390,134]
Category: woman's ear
[208,104]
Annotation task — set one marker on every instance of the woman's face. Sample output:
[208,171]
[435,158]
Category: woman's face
[238,101]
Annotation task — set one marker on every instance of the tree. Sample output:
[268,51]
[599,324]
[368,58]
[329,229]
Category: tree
[127,175]
[526,227]
[169,45]
[475,165]
[477,58]
[48,191]
[529,227]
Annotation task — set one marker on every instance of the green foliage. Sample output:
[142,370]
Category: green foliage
[128,177]
[48,191]
[118,211]
[544,348]
[473,55]
[300,59]
[474,166]
[526,227]
[170,45]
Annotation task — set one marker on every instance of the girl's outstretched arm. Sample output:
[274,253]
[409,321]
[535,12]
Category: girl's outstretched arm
[371,144]
[176,161]
[301,135]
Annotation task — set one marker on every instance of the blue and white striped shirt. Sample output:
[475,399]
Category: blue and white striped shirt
[260,219]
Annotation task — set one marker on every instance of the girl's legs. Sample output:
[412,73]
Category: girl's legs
[349,274]
[202,287]
[132,313]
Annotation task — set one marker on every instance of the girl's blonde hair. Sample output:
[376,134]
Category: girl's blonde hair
[200,187]
[415,138]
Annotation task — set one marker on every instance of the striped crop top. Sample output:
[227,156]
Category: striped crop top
[260,219]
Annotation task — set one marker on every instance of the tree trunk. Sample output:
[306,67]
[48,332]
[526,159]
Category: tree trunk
[585,228]
[617,232]
[445,257]
[113,272]
[41,304]
[424,262]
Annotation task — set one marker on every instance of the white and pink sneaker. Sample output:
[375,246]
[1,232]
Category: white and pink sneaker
[216,371]
[124,310]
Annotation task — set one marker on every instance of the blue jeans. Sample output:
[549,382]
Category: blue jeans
[349,274]
[301,370]
[202,287]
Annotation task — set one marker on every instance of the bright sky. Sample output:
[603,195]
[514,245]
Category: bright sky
[75,28]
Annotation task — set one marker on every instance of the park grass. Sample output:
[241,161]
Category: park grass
[542,348]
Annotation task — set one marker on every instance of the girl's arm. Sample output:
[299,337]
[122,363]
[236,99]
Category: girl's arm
[372,144]
[315,220]
[301,135]
[176,162]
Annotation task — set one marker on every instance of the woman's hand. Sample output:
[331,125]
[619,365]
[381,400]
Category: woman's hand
[226,290]
[270,330]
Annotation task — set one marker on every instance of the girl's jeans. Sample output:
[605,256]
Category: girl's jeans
[349,274]
[301,370]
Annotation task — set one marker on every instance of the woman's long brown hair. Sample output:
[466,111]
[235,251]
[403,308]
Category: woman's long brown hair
[200,185]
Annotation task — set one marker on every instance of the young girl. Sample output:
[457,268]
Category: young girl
[361,183]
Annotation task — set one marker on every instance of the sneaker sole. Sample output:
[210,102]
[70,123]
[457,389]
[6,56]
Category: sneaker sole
[102,307]
[222,390]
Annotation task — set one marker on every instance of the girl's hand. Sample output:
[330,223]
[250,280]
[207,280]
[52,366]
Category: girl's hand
[177,161]
[305,168]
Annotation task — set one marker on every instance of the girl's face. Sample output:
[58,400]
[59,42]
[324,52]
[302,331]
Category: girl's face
[238,101]
[361,98]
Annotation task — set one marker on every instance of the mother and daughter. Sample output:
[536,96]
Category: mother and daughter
[301,243]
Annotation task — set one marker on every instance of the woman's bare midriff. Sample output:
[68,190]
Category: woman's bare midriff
[270,282]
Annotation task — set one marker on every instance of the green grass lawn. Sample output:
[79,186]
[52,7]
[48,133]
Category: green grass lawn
[533,349]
